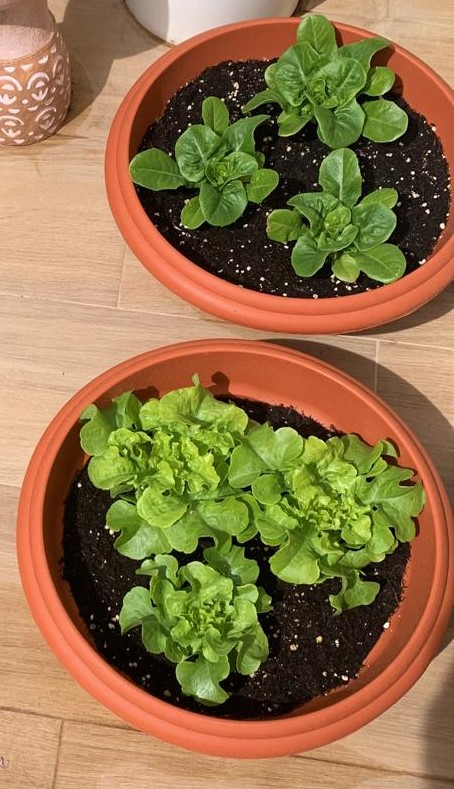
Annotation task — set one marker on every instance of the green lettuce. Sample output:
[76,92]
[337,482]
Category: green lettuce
[191,473]
[203,620]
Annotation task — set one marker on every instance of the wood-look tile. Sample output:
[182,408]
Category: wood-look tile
[58,239]
[338,9]
[139,290]
[110,759]
[50,350]
[32,679]
[28,750]
[419,10]
[418,382]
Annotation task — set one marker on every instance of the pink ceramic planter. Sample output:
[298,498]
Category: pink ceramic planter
[426,92]
[276,375]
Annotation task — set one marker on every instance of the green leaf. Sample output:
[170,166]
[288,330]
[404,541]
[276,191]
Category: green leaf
[341,127]
[387,197]
[191,214]
[340,176]
[159,510]
[95,433]
[137,539]
[136,606]
[384,263]
[215,114]
[194,149]
[293,70]
[364,49]
[376,223]
[155,170]
[354,592]
[252,652]
[233,564]
[283,225]
[267,489]
[201,678]
[336,84]
[239,136]
[236,165]
[386,489]
[306,258]
[266,96]
[223,207]
[385,121]
[295,561]
[343,239]
[346,268]
[314,206]
[269,75]
[262,183]
[317,31]
[380,79]
[290,122]
[261,449]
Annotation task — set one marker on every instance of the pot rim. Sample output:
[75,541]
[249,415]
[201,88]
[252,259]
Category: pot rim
[281,735]
[232,302]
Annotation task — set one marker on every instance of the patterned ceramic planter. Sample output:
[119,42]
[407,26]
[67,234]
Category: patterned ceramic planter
[35,86]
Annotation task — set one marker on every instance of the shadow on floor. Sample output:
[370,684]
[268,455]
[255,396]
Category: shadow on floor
[438,734]
[96,34]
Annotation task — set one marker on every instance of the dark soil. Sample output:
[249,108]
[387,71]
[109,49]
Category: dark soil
[311,651]
[242,253]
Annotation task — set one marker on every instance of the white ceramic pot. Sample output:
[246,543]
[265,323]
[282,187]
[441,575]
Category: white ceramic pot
[177,20]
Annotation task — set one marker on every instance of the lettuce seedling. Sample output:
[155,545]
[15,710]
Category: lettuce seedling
[332,225]
[203,620]
[218,159]
[317,81]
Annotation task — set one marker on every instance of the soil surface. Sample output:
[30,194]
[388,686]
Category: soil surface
[242,253]
[311,651]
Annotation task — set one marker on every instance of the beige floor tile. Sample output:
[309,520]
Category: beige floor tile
[338,9]
[418,383]
[125,760]
[58,238]
[72,343]
[28,750]
[31,677]
[418,10]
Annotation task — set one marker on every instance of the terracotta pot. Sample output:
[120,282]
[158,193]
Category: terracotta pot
[276,375]
[145,102]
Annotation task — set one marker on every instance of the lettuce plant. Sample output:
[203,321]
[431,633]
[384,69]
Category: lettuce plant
[217,158]
[188,467]
[330,507]
[203,620]
[317,81]
[336,225]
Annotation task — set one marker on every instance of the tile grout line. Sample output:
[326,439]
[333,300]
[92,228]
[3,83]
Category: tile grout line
[377,355]
[122,269]
[57,758]
[386,770]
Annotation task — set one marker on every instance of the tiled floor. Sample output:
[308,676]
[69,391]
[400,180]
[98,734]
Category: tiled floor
[74,301]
